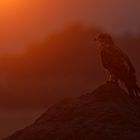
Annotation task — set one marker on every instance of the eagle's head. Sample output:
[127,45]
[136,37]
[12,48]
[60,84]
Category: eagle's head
[104,39]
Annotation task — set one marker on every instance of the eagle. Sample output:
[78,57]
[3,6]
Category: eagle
[118,64]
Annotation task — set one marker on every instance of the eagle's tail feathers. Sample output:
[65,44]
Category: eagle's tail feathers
[138,88]
[134,92]
[137,91]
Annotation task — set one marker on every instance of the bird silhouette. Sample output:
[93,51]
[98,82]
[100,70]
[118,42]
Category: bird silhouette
[118,64]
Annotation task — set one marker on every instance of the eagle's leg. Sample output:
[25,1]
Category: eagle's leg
[113,78]
[136,94]
[131,93]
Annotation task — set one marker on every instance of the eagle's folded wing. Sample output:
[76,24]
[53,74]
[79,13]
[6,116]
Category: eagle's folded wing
[126,60]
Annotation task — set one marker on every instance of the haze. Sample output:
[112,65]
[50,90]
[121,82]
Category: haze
[23,21]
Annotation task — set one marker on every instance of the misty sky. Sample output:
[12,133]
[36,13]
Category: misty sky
[34,19]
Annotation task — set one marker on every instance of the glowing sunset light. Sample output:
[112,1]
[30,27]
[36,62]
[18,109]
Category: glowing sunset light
[5,4]
[8,7]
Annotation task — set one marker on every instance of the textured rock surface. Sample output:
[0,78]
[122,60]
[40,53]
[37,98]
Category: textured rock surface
[106,114]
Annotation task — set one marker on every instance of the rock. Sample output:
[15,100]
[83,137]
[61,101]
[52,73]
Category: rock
[106,114]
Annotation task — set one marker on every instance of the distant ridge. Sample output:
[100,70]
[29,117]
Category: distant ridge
[106,114]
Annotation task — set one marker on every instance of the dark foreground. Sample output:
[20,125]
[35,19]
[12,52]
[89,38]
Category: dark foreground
[106,114]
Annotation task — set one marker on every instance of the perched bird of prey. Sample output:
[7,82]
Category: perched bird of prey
[118,64]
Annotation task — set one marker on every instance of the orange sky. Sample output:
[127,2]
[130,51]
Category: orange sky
[23,21]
